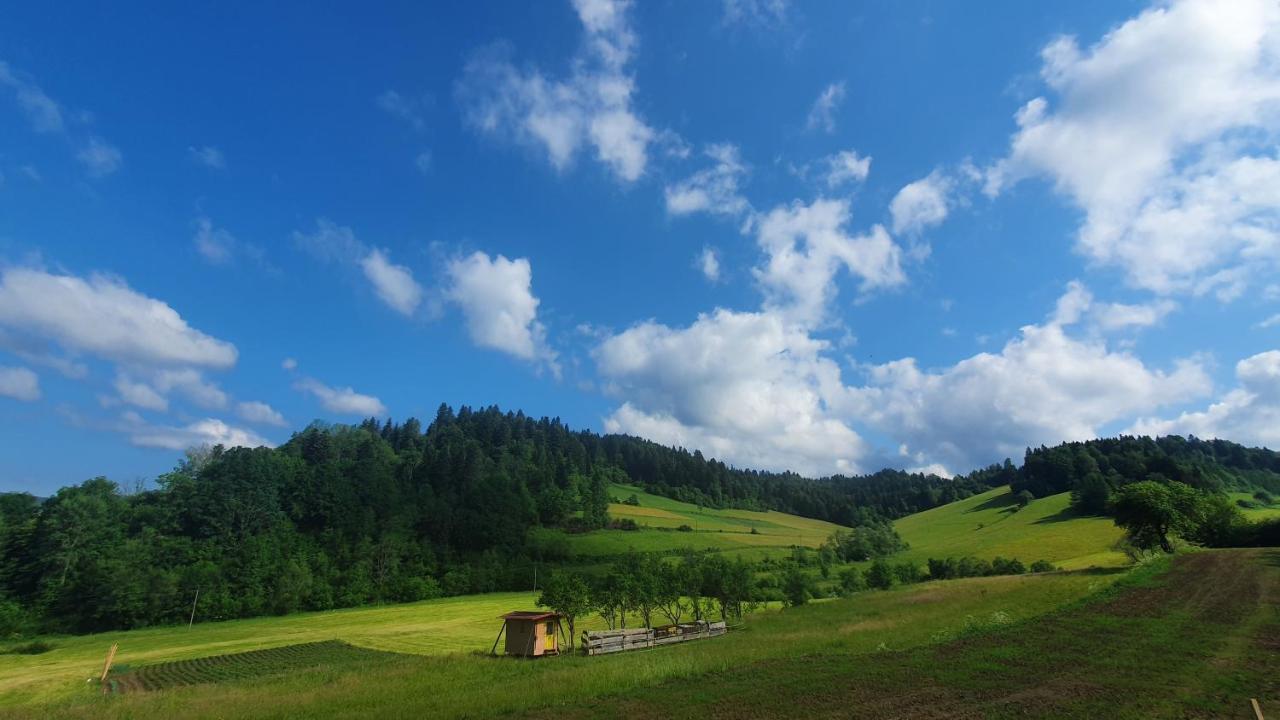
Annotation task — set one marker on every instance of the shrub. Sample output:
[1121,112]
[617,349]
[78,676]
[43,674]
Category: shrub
[796,586]
[1040,566]
[1264,497]
[852,580]
[880,575]
[633,500]
[907,573]
[685,528]
[1023,498]
[37,647]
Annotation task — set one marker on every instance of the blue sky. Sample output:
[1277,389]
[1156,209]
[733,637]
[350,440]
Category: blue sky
[828,237]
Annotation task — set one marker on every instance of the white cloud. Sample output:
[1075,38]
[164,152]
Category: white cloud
[846,166]
[423,162]
[100,158]
[1272,321]
[592,106]
[42,112]
[103,316]
[1163,133]
[1078,304]
[140,394]
[743,387]
[191,384]
[496,296]
[289,364]
[260,413]
[1043,387]
[209,431]
[822,116]
[709,264]
[806,245]
[1248,414]
[342,400]
[393,283]
[209,156]
[921,204]
[19,383]
[713,189]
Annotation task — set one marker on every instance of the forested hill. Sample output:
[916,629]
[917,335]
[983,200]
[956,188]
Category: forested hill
[345,515]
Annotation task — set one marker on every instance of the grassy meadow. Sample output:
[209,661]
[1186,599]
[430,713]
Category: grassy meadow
[990,524]
[443,671]
[660,518]
[438,643]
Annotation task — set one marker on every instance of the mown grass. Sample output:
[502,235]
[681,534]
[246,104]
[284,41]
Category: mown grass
[435,683]
[989,524]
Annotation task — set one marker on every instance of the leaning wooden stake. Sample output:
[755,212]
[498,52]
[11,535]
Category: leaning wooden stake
[111,656]
[494,649]
[193,609]
[1256,710]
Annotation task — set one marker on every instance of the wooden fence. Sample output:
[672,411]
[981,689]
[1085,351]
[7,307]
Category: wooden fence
[611,641]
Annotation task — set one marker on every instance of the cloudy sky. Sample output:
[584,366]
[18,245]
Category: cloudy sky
[828,237]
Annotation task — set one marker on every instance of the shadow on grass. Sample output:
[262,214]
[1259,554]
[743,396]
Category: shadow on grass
[1000,501]
[1063,515]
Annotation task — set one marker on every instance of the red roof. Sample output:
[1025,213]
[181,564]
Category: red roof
[530,615]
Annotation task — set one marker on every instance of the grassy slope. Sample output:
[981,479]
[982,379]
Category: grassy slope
[1257,513]
[1196,641]
[986,526]
[722,530]
[471,685]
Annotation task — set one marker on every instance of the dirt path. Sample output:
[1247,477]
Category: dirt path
[1195,642]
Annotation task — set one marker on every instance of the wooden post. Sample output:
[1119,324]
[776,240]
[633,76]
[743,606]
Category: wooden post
[106,668]
[193,609]
[1256,710]
[494,649]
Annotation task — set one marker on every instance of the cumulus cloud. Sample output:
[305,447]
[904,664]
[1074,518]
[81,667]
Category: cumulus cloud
[714,189]
[1044,386]
[208,156]
[1248,414]
[100,158]
[822,116]
[19,383]
[744,387]
[209,431]
[214,244]
[921,204]
[806,245]
[1163,134]
[139,394]
[342,400]
[393,283]
[496,297]
[103,316]
[846,167]
[260,413]
[593,106]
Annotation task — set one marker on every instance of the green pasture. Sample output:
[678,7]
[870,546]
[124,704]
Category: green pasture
[990,524]
[443,670]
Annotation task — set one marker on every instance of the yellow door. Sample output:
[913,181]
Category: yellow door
[550,645]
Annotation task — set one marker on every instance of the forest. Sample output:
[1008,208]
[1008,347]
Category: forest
[341,516]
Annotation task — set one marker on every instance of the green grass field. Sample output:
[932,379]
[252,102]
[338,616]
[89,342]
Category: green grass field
[430,680]
[710,529]
[432,659]
[1255,513]
[987,525]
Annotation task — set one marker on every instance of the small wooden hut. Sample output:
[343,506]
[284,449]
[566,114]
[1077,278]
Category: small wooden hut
[531,633]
